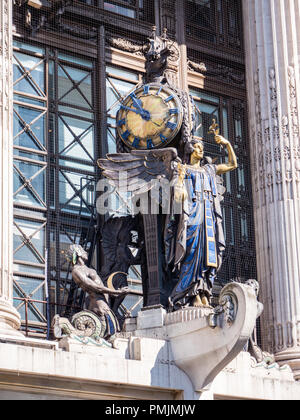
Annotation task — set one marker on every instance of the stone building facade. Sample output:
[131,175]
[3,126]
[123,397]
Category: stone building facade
[65,65]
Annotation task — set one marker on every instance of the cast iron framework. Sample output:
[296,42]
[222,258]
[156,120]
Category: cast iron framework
[87,33]
[142,10]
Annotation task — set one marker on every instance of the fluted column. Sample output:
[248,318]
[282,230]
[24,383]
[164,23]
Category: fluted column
[272,44]
[9,317]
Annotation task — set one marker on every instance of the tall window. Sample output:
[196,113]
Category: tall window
[239,259]
[30,172]
[135,9]
[215,21]
[72,153]
[119,83]
[56,148]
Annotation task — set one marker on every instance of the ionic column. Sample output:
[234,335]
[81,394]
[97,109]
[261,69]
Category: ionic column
[272,47]
[9,317]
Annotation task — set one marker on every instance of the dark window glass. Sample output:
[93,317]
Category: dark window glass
[215,21]
[239,259]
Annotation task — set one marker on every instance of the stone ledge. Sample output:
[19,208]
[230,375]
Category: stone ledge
[29,342]
[150,367]
[243,378]
[104,368]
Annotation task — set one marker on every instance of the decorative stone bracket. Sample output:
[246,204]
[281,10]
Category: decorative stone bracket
[203,344]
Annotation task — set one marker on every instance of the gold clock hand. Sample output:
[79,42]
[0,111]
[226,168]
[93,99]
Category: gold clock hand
[136,111]
[153,122]
[164,121]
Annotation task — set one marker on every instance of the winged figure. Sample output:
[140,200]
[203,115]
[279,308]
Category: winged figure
[193,239]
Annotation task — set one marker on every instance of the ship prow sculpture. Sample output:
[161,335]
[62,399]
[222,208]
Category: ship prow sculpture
[205,341]
[180,243]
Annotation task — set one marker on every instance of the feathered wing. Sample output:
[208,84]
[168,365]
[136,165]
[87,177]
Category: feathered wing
[140,167]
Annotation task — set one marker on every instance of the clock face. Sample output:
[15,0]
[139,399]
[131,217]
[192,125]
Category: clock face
[150,117]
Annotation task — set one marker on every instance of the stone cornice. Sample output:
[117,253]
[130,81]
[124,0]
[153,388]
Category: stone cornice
[97,16]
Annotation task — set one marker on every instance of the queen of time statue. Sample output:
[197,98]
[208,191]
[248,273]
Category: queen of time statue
[193,233]
[154,117]
[194,241]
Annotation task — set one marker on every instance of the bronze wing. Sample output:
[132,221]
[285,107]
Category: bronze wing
[134,172]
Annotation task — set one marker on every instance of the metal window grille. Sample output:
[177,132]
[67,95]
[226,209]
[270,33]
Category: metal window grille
[119,84]
[57,141]
[55,153]
[215,21]
[136,9]
[239,261]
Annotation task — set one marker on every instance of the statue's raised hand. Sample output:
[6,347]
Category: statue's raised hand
[221,140]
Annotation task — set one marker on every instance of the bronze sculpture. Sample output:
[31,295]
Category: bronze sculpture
[195,241]
[193,235]
[98,295]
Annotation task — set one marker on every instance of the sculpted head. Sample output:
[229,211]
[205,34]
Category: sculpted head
[76,251]
[196,150]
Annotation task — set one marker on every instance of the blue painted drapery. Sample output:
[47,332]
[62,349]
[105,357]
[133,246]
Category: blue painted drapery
[194,240]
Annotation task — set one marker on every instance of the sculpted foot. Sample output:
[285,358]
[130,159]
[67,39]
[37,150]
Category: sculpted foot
[205,301]
[197,302]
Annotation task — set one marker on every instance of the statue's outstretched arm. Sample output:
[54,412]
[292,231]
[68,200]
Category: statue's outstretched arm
[92,286]
[222,168]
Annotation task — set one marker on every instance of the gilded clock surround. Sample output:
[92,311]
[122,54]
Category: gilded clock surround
[150,117]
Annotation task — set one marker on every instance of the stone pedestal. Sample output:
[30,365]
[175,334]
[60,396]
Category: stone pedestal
[204,340]
[151,318]
[272,47]
[9,317]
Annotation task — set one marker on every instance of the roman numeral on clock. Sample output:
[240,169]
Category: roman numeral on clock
[150,144]
[163,138]
[125,135]
[146,89]
[121,122]
[136,142]
[169,98]
[174,111]
[171,125]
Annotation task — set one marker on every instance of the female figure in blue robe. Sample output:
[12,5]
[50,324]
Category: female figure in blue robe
[194,240]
